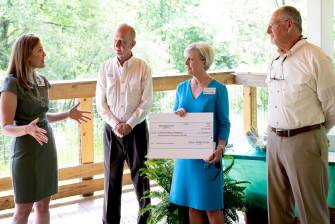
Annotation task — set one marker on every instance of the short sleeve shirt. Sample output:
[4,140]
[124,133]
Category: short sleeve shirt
[32,102]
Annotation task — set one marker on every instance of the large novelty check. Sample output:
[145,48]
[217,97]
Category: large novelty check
[172,136]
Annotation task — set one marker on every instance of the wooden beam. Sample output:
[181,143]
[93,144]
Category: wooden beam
[250,79]
[170,82]
[72,89]
[227,78]
[86,132]
[5,184]
[84,170]
[86,89]
[249,107]
[83,187]
[67,173]
[68,190]
[6,202]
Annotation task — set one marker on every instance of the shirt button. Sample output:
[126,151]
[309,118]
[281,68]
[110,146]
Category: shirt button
[276,107]
[278,91]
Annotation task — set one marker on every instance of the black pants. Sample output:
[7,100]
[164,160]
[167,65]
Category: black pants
[133,149]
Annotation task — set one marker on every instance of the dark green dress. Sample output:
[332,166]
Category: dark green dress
[33,167]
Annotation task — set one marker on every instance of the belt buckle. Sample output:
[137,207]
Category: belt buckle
[282,133]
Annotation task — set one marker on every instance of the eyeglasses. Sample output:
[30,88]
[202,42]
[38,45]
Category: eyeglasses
[274,72]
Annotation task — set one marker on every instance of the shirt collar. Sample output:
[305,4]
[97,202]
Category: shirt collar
[126,64]
[294,48]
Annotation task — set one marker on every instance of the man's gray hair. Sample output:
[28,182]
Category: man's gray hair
[205,51]
[292,13]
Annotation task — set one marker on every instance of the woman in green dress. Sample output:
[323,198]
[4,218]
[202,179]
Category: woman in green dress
[24,106]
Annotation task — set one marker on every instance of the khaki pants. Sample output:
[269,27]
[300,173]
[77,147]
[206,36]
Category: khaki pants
[298,176]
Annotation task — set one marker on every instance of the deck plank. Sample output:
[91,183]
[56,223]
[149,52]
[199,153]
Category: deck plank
[86,210]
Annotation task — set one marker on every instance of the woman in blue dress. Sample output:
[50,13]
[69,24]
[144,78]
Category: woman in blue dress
[23,112]
[198,184]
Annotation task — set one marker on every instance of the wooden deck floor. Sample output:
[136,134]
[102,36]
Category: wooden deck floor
[79,210]
[82,210]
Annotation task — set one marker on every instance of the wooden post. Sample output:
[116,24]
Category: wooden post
[250,107]
[86,137]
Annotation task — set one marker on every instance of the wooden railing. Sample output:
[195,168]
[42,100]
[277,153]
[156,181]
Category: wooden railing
[88,176]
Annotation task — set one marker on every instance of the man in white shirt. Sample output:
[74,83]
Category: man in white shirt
[123,99]
[301,84]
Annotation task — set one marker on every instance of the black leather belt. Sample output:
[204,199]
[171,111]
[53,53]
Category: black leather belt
[292,132]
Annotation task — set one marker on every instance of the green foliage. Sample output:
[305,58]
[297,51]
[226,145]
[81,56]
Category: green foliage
[180,37]
[163,101]
[161,172]
[64,27]
[234,194]
[224,58]
[78,34]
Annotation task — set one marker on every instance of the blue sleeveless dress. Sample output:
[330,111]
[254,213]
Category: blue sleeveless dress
[195,183]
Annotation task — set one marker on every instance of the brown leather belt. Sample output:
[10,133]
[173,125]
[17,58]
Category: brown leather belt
[292,132]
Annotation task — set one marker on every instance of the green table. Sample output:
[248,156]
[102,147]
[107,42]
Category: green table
[250,165]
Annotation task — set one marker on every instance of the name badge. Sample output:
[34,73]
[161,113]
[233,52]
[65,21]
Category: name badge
[209,91]
[40,81]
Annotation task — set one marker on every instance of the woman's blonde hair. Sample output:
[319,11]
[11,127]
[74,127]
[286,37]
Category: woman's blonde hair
[205,52]
[18,64]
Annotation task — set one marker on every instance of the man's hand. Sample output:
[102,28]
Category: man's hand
[122,129]
[125,129]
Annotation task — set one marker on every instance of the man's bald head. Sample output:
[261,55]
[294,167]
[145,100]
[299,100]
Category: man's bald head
[127,29]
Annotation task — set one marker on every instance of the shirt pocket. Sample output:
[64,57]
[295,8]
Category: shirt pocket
[297,90]
[111,80]
[111,88]
[134,86]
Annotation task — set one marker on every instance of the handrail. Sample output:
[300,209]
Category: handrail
[84,91]
[86,88]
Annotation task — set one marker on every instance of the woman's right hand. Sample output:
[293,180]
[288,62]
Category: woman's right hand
[39,134]
[181,112]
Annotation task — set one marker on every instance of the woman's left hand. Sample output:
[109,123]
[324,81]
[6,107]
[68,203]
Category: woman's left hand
[216,156]
[79,115]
